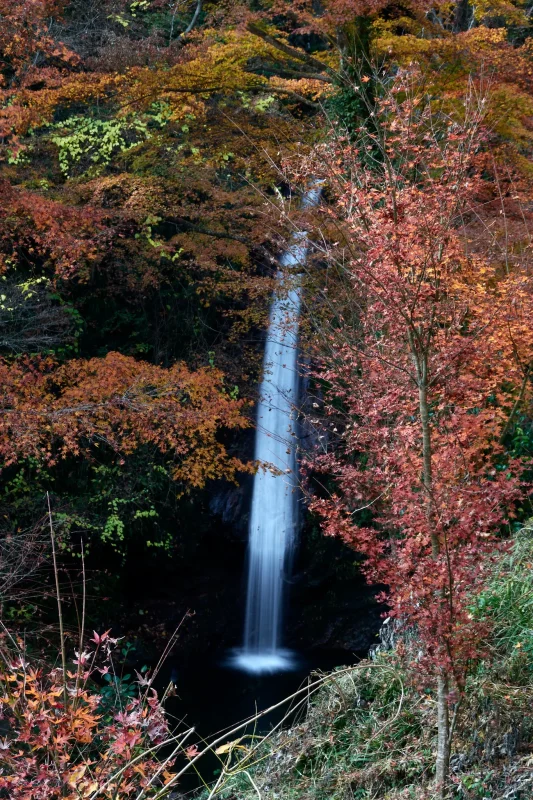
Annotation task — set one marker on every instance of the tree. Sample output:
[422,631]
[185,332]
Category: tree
[24,37]
[129,156]
[49,411]
[424,363]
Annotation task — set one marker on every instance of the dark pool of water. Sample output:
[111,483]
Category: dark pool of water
[214,697]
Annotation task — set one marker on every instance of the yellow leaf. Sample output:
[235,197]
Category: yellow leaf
[76,775]
[225,748]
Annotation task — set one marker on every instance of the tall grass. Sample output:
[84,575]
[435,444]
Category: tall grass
[508,603]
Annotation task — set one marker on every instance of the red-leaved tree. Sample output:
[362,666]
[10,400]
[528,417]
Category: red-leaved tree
[424,359]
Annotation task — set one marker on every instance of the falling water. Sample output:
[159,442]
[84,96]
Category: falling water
[274,510]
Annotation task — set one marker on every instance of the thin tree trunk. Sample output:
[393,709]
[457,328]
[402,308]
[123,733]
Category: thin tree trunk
[427,470]
[192,23]
[442,766]
[463,18]
[443,737]
[516,405]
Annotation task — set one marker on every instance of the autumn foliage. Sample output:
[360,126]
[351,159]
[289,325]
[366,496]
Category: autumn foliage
[148,155]
[50,412]
[423,367]
[63,742]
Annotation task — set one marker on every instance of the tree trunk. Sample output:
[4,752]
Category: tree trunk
[443,717]
[443,738]
[427,470]
[463,17]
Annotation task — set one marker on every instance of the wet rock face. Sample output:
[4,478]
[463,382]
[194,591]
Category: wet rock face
[390,631]
[231,504]
[331,605]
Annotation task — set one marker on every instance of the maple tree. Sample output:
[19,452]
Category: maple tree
[25,35]
[129,212]
[160,251]
[427,359]
[50,411]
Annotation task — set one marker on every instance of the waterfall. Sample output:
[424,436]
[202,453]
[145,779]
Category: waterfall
[274,509]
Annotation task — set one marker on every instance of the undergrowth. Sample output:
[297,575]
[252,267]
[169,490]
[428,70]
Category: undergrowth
[369,732]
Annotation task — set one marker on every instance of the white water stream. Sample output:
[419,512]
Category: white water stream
[274,509]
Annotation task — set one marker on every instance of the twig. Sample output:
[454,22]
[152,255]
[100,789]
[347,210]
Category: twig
[82,627]
[245,772]
[59,611]
[178,747]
